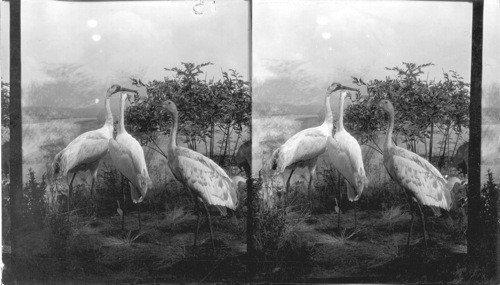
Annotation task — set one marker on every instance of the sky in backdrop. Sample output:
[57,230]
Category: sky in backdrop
[300,47]
[112,41]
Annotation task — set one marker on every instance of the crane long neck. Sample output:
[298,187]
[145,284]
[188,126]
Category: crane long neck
[121,125]
[388,140]
[109,115]
[328,112]
[173,131]
[340,121]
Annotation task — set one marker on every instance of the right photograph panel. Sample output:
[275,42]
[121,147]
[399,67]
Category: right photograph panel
[360,130]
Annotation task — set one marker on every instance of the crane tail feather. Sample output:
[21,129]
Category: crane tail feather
[276,160]
[58,165]
[222,210]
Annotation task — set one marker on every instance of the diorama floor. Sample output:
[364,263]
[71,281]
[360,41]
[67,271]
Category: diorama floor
[98,250]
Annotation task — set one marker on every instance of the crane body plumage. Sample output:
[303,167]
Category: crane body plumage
[422,182]
[203,176]
[86,151]
[128,157]
[304,148]
[345,154]
[207,181]
[418,176]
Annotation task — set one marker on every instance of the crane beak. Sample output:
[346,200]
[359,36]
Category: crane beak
[335,87]
[128,90]
[348,88]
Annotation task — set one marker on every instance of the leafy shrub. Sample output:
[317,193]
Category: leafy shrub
[383,197]
[110,191]
[278,244]
[34,200]
[60,229]
[327,189]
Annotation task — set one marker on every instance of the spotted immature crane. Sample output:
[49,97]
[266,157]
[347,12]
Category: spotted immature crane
[421,181]
[345,154]
[207,181]
[86,151]
[128,157]
[304,148]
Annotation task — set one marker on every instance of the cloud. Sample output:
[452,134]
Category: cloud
[340,39]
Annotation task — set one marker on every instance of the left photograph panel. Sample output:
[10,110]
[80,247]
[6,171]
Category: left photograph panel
[136,127]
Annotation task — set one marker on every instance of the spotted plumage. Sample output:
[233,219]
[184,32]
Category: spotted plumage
[422,182]
[208,183]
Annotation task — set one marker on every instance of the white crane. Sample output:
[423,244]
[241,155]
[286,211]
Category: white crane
[128,157]
[304,148]
[422,182]
[207,181]
[86,151]
[345,155]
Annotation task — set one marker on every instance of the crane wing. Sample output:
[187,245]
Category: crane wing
[122,159]
[409,171]
[204,176]
[86,149]
[345,155]
[303,146]
[418,160]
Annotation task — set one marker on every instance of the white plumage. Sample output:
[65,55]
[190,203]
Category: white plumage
[128,157]
[345,154]
[206,180]
[304,148]
[421,180]
[86,151]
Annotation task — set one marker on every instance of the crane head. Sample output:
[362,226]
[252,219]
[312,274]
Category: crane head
[337,86]
[117,88]
[170,107]
[386,105]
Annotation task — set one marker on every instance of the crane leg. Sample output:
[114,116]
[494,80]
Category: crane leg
[92,187]
[355,218]
[411,223]
[309,191]
[69,191]
[286,189]
[210,226]
[123,208]
[312,173]
[422,216]
[197,210]
[340,199]
[139,214]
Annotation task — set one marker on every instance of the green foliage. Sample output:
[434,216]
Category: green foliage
[34,191]
[60,229]
[443,104]
[327,189]
[111,191]
[203,106]
[489,195]
[384,197]
[5,104]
